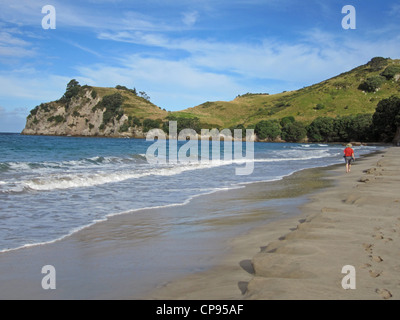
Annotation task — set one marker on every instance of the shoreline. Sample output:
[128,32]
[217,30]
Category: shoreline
[187,201]
[357,143]
[302,257]
[225,266]
[116,244]
[184,203]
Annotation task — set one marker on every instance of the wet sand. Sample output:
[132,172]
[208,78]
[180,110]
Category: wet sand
[354,223]
[132,255]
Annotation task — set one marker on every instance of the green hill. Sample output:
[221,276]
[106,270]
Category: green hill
[342,95]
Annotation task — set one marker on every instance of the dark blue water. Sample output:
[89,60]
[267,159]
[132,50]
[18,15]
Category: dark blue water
[51,187]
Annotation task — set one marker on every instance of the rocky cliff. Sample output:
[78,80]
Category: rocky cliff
[89,111]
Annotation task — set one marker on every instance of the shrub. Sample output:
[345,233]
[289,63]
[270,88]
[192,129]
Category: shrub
[57,119]
[119,87]
[377,63]
[44,107]
[134,121]
[149,124]
[319,106]
[34,111]
[372,84]
[391,71]
[112,103]
[124,127]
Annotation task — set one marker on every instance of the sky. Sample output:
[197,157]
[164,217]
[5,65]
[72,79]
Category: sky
[183,52]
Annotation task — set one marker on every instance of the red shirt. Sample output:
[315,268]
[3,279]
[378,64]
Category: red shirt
[348,152]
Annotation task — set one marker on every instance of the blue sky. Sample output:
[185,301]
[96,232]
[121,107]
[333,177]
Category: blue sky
[183,53]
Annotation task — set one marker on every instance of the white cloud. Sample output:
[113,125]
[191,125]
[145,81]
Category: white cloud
[394,10]
[14,46]
[190,18]
[170,84]
[267,59]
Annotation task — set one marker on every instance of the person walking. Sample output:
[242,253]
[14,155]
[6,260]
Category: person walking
[349,157]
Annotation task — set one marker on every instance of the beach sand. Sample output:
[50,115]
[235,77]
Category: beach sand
[354,223]
[286,239]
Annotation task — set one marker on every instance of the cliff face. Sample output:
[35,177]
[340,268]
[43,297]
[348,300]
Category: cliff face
[81,115]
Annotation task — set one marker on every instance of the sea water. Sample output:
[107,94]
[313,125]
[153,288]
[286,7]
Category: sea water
[51,187]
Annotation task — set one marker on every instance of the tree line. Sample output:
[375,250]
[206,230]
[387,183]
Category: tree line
[378,127]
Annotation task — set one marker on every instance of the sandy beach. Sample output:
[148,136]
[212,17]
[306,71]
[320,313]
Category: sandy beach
[355,222]
[292,243]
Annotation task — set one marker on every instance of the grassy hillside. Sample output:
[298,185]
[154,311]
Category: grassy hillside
[134,105]
[338,96]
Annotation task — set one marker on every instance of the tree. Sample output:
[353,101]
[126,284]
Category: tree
[239,127]
[341,128]
[112,103]
[361,127]
[286,120]
[386,119]
[270,129]
[294,132]
[183,123]
[352,128]
[73,88]
[149,124]
[144,95]
[321,130]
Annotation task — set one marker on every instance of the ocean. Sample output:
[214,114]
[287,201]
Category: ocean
[52,187]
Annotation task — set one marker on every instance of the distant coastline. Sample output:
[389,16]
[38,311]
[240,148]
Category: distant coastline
[334,110]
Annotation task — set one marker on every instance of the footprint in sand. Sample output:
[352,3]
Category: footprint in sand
[378,236]
[376,258]
[385,294]
[368,247]
[370,170]
[374,274]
